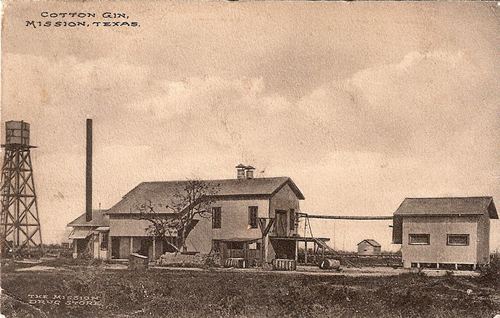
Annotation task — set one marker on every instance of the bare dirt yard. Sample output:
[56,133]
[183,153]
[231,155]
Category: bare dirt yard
[79,289]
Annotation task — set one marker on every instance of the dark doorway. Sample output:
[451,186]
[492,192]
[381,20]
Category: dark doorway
[82,247]
[284,248]
[145,244]
[115,247]
[280,225]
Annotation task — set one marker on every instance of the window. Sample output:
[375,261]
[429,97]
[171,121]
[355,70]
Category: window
[216,246]
[254,246]
[253,213]
[216,218]
[419,239]
[458,239]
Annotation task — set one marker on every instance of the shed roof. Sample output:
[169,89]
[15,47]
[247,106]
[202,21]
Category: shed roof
[371,242]
[79,234]
[447,206]
[99,218]
[162,193]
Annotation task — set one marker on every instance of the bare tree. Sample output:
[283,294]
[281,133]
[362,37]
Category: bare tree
[188,204]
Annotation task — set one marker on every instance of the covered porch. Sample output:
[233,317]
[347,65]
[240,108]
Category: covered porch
[248,249]
[153,248]
[304,250]
[90,242]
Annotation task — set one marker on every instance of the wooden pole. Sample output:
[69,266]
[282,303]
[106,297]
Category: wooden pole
[131,245]
[350,217]
[109,246]
[305,227]
[305,252]
[315,252]
[97,249]
[296,251]
[154,248]
[263,251]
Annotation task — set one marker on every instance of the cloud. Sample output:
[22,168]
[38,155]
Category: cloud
[418,117]
[417,103]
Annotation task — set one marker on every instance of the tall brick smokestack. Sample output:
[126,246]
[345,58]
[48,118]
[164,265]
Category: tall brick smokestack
[88,173]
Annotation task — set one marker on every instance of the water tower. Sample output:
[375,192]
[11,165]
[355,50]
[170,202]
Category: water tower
[20,225]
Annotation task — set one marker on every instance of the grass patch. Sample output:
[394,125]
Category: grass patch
[162,293]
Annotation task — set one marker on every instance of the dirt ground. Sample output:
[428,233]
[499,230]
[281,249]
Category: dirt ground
[76,289]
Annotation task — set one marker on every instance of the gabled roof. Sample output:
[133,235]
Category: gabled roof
[161,193]
[371,242]
[98,219]
[447,206]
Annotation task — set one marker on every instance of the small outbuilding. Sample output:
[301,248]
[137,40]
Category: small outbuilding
[449,233]
[90,238]
[369,247]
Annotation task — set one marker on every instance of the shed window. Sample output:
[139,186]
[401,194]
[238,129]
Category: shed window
[216,217]
[253,212]
[419,239]
[458,239]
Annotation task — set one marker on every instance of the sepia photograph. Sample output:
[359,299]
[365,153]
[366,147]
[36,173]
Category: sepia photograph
[250,159]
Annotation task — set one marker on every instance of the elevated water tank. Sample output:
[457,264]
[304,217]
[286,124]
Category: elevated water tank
[17,133]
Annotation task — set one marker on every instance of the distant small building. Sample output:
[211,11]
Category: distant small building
[369,247]
[447,233]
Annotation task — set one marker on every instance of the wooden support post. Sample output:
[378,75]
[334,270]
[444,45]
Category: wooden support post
[262,251]
[245,251]
[131,245]
[108,253]
[154,248]
[265,249]
[305,252]
[305,227]
[315,252]
[296,251]
[98,248]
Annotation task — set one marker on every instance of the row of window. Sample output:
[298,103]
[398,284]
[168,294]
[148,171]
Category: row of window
[253,216]
[451,239]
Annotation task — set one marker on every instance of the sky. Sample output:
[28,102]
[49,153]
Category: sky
[361,104]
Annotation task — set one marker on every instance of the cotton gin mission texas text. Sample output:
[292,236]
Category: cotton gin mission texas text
[82,19]
[83,15]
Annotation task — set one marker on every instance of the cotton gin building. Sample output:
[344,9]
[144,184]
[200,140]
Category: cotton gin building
[450,233]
